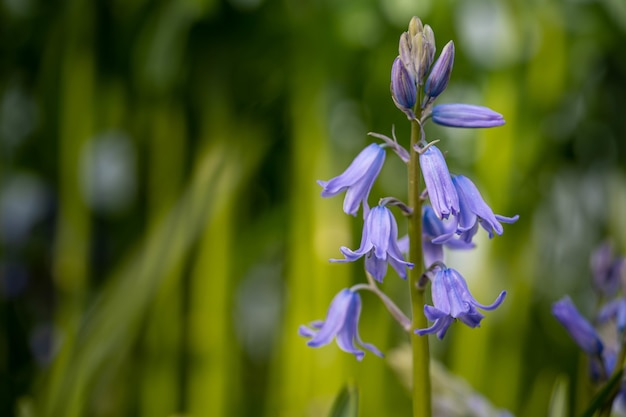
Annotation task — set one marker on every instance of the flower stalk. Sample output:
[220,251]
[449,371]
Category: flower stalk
[420,350]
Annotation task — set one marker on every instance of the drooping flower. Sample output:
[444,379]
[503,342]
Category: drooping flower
[452,300]
[342,322]
[466,115]
[437,233]
[473,209]
[379,245]
[357,179]
[577,326]
[440,74]
[441,191]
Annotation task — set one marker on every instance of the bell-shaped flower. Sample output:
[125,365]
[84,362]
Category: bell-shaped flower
[437,233]
[452,300]
[357,179]
[577,326]
[379,245]
[466,115]
[440,74]
[441,192]
[403,88]
[342,322]
[473,209]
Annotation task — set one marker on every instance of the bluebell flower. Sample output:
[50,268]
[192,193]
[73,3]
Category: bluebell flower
[577,326]
[452,300]
[473,209]
[441,192]
[403,88]
[342,322]
[379,245]
[466,115]
[440,74]
[608,270]
[357,179]
[437,233]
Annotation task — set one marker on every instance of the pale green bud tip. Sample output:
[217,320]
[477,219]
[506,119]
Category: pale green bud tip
[415,26]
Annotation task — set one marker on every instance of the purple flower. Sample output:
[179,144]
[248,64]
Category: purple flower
[473,209]
[379,244]
[437,233]
[577,326]
[440,74]
[403,88]
[441,192]
[357,179]
[452,300]
[607,269]
[466,115]
[615,310]
[342,322]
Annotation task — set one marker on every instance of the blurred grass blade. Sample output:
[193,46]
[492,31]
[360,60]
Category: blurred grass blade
[347,402]
[604,394]
[559,401]
[108,332]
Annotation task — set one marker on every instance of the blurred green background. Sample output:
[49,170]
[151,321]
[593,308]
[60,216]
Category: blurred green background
[162,234]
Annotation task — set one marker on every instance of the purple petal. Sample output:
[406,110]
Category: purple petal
[335,319]
[403,88]
[440,74]
[357,179]
[577,326]
[441,192]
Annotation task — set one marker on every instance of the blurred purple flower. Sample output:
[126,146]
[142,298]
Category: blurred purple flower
[452,300]
[466,115]
[441,192]
[357,179]
[614,310]
[473,209]
[608,270]
[379,244]
[342,321]
[577,326]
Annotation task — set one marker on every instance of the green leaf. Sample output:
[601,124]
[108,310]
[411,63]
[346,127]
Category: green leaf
[558,400]
[347,402]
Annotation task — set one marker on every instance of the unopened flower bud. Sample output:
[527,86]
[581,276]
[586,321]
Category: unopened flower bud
[415,26]
[466,115]
[403,88]
[440,75]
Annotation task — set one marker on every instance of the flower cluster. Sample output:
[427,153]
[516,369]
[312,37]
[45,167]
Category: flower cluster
[452,218]
[609,280]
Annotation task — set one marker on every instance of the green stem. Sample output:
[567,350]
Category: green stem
[421,356]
